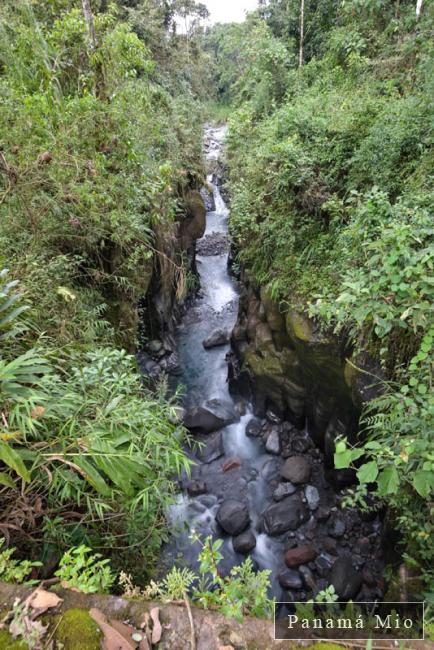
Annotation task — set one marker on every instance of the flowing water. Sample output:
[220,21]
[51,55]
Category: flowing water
[255,474]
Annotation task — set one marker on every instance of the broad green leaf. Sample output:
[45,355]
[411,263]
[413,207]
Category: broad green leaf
[388,481]
[423,483]
[368,472]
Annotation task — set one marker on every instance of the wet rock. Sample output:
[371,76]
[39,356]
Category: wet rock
[233,516]
[273,417]
[218,337]
[290,579]
[296,469]
[155,347]
[283,490]
[301,445]
[322,514]
[270,470]
[273,443]
[345,579]
[323,564]
[312,497]
[330,545]
[231,463]
[216,243]
[308,578]
[299,555]
[363,546]
[212,415]
[195,488]
[288,514]
[337,528]
[244,543]
[213,448]
[253,428]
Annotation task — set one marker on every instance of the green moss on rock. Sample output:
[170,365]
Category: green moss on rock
[8,643]
[78,631]
[298,326]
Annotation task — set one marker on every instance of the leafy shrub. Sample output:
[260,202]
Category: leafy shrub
[86,572]
[12,570]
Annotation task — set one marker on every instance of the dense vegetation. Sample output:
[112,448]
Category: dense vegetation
[100,129]
[330,172]
[330,159]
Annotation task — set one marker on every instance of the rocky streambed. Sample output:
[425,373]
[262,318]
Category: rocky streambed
[263,479]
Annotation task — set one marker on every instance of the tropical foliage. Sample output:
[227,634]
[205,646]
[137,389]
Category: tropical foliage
[332,188]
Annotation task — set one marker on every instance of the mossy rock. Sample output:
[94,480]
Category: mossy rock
[299,327]
[8,643]
[78,631]
[268,366]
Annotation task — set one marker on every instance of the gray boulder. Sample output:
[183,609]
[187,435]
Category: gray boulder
[288,514]
[296,469]
[345,579]
[218,337]
[273,443]
[233,516]
[212,415]
[245,542]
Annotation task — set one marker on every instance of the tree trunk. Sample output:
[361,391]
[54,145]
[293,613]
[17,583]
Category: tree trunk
[300,57]
[88,17]
[418,8]
[93,46]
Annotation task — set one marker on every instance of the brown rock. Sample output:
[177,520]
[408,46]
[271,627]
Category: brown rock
[231,463]
[299,555]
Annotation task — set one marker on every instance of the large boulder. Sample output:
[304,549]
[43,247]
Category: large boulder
[233,516]
[288,514]
[245,542]
[219,336]
[345,579]
[296,470]
[212,415]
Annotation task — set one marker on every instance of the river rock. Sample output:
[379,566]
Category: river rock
[290,579]
[212,449]
[212,415]
[296,469]
[231,463]
[312,497]
[288,514]
[345,579]
[308,577]
[337,528]
[253,428]
[323,513]
[323,564]
[273,443]
[218,337]
[233,516]
[299,555]
[245,542]
[195,488]
[283,490]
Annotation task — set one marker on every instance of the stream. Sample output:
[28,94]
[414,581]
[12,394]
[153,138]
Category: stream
[258,483]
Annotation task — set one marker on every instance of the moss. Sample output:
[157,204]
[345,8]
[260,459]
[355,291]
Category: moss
[78,631]
[263,366]
[298,326]
[8,643]
[325,646]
